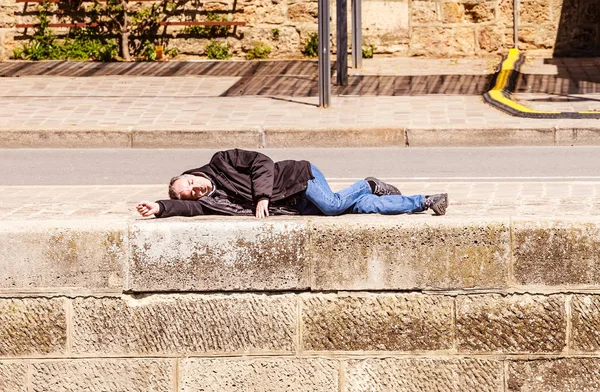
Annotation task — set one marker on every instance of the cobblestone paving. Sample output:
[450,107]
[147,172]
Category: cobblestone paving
[477,199]
[390,93]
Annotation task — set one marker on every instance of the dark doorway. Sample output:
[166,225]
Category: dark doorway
[578,29]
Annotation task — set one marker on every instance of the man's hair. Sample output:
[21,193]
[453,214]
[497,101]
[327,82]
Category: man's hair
[172,193]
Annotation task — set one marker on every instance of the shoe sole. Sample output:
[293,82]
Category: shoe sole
[440,207]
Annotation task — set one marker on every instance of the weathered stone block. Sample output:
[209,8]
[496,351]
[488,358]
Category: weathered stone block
[13,377]
[490,40]
[377,322]
[534,11]
[415,375]
[32,327]
[506,13]
[184,325]
[391,253]
[452,12]
[385,22]
[510,324]
[259,375]
[264,11]
[303,12]
[539,37]
[103,375]
[442,41]
[560,375]
[585,323]
[556,253]
[424,12]
[7,14]
[75,255]
[479,12]
[218,255]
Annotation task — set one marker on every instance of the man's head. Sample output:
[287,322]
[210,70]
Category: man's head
[189,187]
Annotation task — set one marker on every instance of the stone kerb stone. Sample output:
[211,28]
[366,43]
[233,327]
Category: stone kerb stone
[560,253]
[209,254]
[62,256]
[185,325]
[402,253]
[259,375]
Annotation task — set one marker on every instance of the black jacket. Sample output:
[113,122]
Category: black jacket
[242,178]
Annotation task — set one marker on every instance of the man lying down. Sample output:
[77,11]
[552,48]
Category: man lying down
[239,182]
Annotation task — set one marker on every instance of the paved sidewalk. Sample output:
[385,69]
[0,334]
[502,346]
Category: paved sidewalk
[478,199]
[389,102]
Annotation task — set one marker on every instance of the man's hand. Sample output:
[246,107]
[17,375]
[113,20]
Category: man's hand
[262,208]
[148,208]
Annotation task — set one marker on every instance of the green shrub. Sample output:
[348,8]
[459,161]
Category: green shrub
[79,44]
[311,46]
[260,51]
[148,51]
[210,31]
[217,51]
[368,50]
[275,34]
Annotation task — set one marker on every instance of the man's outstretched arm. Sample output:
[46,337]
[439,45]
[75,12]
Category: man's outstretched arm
[167,208]
[148,208]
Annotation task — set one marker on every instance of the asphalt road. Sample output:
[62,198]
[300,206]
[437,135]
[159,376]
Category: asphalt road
[138,166]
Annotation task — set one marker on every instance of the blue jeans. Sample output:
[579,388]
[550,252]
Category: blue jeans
[357,198]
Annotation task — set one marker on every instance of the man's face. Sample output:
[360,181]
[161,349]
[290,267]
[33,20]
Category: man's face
[192,187]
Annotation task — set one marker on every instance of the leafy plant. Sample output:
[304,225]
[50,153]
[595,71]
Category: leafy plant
[368,50]
[172,52]
[311,46]
[148,51]
[113,31]
[210,31]
[260,51]
[79,44]
[275,34]
[216,51]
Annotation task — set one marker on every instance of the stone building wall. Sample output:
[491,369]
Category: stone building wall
[432,28]
[301,304]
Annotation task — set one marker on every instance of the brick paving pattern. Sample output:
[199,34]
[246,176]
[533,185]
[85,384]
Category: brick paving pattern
[470,199]
[214,96]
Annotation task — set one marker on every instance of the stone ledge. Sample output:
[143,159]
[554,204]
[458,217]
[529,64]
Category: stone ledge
[366,252]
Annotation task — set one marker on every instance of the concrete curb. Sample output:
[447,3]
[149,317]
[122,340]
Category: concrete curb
[297,138]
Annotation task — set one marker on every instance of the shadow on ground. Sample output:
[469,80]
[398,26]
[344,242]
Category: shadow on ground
[298,78]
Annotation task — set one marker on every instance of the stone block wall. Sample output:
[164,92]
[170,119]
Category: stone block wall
[432,28]
[359,303]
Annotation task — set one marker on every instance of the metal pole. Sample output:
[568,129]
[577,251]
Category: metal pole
[342,42]
[324,55]
[356,34]
[516,22]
